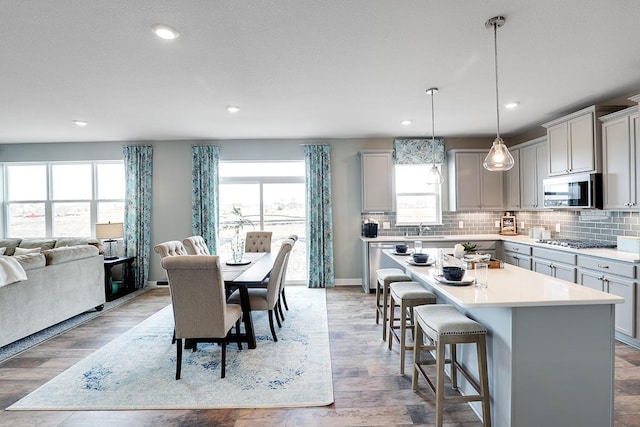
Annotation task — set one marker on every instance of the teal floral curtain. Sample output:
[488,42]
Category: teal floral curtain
[138,164]
[204,193]
[319,221]
[418,151]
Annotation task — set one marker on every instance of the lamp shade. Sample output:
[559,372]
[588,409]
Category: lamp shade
[111,230]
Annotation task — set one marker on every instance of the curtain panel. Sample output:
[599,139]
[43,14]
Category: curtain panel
[205,160]
[319,217]
[418,151]
[138,163]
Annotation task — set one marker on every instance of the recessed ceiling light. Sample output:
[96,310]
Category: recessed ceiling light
[80,123]
[406,122]
[511,105]
[233,109]
[165,32]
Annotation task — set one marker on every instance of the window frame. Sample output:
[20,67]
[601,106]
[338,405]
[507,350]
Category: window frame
[437,194]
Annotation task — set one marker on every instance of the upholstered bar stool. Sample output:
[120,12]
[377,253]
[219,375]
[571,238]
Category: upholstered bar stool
[386,276]
[407,295]
[444,324]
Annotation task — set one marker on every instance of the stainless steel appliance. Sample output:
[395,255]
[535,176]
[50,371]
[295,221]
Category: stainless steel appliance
[578,243]
[575,191]
[377,260]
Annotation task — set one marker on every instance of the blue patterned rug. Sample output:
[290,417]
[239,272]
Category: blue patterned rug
[137,370]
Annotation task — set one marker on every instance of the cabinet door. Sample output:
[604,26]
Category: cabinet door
[591,279]
[558,139]
[617,162]
[468,183]
[491,191]
[625,312]
[581,144]
[564,272]
[512,183]
[528,181]
[542,171]
[542,266]
[634,125]
[377,182]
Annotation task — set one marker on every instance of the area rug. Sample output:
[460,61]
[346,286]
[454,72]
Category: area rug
[137,370]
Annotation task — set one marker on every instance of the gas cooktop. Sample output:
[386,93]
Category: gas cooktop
[578,243]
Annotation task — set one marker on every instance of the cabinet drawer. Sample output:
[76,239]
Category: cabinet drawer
[553,255]
[604,265]
[517,247]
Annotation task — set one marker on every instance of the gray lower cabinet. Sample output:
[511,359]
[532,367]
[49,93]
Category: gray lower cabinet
[517,254]
[618,278]
[554,263]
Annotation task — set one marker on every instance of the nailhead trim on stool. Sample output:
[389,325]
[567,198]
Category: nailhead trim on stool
[408,295]
[444,324]
[386,276]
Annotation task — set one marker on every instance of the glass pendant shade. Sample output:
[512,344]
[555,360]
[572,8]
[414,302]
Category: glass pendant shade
[498,158]
[434,176]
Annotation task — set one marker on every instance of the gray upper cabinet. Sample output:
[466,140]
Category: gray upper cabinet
[533,170]
[574,141]
[621,159]
[512,183]
[471,186]
[378,183]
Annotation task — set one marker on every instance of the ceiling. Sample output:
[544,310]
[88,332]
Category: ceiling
[306,68]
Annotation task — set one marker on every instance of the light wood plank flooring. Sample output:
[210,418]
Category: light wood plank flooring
[368,389]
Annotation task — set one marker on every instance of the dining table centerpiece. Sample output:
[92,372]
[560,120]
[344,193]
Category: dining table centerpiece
[238,223]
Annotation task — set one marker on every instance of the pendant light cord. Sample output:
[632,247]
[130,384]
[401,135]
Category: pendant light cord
[433,126]
[495,47]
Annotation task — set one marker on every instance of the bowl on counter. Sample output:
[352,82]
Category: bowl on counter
[420,258]
[402,249]
[453,273]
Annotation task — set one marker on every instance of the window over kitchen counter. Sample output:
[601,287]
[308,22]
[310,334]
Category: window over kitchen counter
[416,201]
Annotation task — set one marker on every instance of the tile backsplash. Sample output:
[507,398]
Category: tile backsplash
[580,224]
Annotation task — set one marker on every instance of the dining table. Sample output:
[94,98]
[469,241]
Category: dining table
[251,271]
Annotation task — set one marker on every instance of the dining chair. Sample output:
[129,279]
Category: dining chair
[258,241]
[170,248]
[200,309]
[267,298]
[196,245]
[294,238]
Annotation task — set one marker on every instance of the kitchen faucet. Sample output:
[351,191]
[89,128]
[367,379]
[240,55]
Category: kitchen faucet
[422,229]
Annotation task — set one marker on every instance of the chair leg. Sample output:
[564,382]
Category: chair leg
[173,340]
[238,337]
[273,330]
[275,312]
[440,375]
[280,310]
[284,300]
[178,357]
[223,364]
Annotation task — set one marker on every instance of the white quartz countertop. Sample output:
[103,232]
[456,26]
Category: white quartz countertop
[451,240]
[510,286]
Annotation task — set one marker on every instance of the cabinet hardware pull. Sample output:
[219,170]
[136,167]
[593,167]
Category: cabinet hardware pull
[603,266]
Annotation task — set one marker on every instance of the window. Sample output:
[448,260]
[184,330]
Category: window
[416,201]
[62,199]
[272,196]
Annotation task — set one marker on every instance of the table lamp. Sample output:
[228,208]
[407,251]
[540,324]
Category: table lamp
[109,232]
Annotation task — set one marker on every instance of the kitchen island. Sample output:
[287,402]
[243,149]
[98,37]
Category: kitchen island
[550,345]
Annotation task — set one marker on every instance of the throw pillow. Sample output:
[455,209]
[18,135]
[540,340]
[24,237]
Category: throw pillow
[2,251]
[23,251]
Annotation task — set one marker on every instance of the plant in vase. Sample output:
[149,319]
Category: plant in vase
[469,247]
[237,241]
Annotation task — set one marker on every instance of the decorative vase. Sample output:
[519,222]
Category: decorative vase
[237,246]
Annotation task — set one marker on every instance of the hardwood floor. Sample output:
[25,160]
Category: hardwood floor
[368,388]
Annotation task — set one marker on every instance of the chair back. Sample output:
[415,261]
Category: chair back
[198,296]
[171,248]
[258,241]
[286,261]
[275,278]
[196,245]
[293,237]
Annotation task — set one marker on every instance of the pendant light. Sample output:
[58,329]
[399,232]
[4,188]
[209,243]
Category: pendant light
[498,158]
[434,176]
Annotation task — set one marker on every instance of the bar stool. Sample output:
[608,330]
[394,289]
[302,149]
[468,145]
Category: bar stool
[386,276]
[444,324]
[407,295]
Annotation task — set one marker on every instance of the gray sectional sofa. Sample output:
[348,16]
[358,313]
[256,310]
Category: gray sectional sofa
[65,279]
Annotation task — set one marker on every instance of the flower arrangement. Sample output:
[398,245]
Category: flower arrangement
[239,221]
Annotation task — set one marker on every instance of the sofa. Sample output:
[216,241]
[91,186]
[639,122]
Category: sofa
[65,277]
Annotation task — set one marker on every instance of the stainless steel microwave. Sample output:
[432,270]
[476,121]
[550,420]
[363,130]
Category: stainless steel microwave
[574,191]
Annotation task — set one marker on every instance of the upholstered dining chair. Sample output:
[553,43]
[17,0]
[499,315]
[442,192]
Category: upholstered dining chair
[196,245]
[170,248]
[258,241]
[294,238]
[267,298]
[200,309]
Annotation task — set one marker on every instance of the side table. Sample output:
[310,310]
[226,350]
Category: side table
[127,277]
